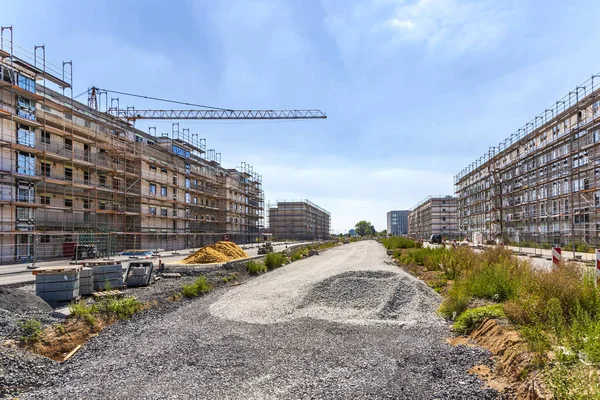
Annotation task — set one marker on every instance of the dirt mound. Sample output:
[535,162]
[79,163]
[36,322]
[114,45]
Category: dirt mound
[216,253]
[19,301]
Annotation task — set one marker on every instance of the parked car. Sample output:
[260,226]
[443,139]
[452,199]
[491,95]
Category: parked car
[435,239]
[83,251]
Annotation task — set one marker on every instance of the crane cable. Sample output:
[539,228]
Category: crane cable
[164,100]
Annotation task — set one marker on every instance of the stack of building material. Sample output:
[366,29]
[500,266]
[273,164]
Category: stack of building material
[139,273]
[113,274]
[57,284]
[86,281]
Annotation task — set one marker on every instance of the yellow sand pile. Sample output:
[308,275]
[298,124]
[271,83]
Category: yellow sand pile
[216,253]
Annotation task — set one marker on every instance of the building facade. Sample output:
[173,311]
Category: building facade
[70,174]
[435,215]
[542,184]
[299,220]
[397,222]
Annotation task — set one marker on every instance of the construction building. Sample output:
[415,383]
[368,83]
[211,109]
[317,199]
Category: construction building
[434,215]
[299,220]
[541,184]
[397,222]
[72,175]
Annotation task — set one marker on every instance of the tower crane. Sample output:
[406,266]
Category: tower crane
[130,114]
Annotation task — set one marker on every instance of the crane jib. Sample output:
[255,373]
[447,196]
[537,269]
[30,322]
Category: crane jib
[132,114]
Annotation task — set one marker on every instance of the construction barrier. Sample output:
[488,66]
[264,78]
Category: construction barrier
[556,256]
[597,261]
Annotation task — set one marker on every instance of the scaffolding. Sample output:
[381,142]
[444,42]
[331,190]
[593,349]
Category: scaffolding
[541,184]
[298,220]
[71,174]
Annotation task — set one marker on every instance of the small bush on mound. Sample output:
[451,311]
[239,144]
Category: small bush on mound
[472,318]
[274,260]
[255,268]
[199,286]
[31,329]
[298,254]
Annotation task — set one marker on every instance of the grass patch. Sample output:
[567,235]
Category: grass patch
[472,318]
[399,242]
[108,307]
[275,260]
[231,277]
[195,289]
[31,330]
[255,268]
[299,254]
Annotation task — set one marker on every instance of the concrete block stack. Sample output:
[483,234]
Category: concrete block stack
[111,273]
[86,281]
[57,284]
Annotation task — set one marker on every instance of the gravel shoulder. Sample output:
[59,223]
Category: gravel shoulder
[344,324]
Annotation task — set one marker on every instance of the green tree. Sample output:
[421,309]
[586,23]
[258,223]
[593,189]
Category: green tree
[364,228]
[383,232]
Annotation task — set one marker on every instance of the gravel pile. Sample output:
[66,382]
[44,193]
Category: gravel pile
[196,352]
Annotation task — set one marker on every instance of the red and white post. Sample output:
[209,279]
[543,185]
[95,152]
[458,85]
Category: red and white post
[597,262]
[556,256]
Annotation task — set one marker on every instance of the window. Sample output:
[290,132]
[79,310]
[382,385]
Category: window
[102,205]
[187,183]
[164,212]
[25,164]
[195,201]
[68,174]
[139,139]
[27,83]
[45,108]
[163,170]
[68,202]
[187,198]
[25,135]
[163,191]
[153,168]
[45,168]
[152,210]
[443,218]
[116,184]
[152,188]
[174,180]
[102,180]
[86,177]
[45,199]
[86,203]
[45,137]
[68,144]
[26,109]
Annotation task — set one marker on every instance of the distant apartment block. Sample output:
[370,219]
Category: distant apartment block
[435,215]
[397,222]
[299,220]
[541,184]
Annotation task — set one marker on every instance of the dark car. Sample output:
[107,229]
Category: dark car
[435,239]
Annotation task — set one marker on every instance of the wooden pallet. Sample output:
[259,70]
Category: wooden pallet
[171,275]
[70,269]
[109,293]
[98,263]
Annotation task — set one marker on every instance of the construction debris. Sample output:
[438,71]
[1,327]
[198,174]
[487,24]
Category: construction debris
[219,252]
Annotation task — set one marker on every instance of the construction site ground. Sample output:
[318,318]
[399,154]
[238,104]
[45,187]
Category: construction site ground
[347,323]
[12,274]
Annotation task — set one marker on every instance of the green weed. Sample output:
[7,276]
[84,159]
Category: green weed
[195,289]
[255,268]
[31,330]
[472,318]
[275,260]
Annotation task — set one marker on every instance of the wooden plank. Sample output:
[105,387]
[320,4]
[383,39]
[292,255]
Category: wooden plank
[75,350]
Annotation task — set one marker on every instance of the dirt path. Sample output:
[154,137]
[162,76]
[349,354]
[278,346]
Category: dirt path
[340,325]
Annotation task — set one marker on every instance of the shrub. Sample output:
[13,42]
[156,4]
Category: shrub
[255,268]
[110,306]
[398,242]
[298,254]
[274,260]
[81,310]
[195,289]
[31,329]
[231,277]
[472,318]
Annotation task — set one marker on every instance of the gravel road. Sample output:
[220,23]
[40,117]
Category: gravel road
[344,324]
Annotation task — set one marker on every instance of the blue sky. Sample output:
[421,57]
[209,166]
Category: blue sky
[414,90]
